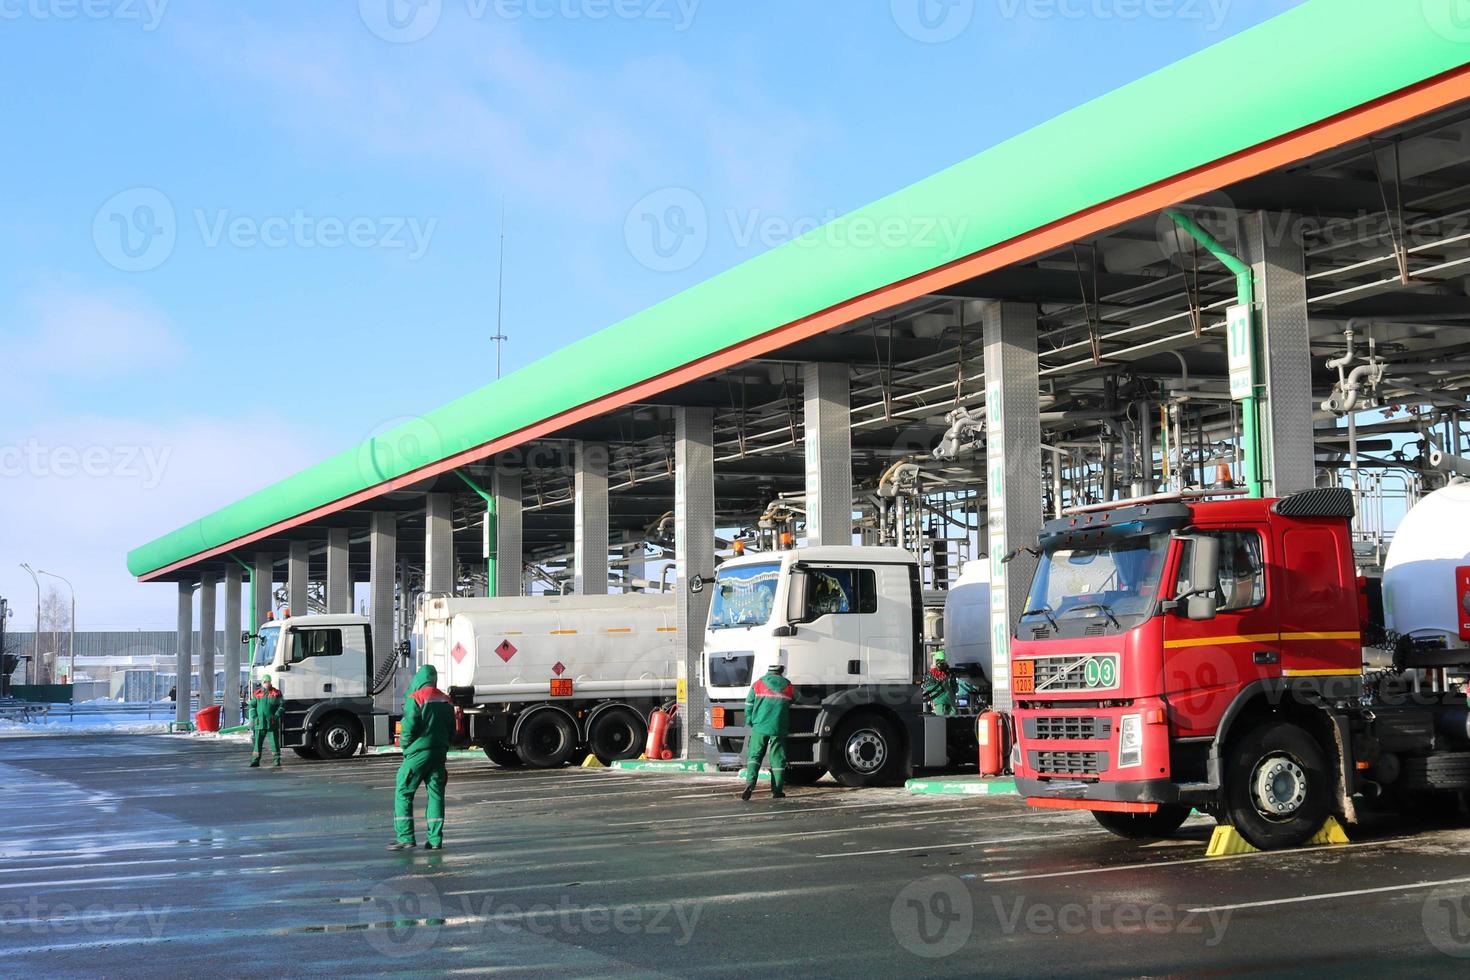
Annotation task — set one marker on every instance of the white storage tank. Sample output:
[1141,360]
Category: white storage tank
[1420,596]
[967,617]
[512,648]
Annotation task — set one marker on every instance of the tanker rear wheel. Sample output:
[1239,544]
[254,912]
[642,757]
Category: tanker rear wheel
[617,733]
[502,755]
[546,740]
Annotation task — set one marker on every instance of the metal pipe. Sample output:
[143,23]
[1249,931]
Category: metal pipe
[1160,498]
[1145,474]
[491,543]
[1245,296]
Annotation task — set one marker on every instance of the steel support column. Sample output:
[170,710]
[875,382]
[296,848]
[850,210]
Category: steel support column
[229,715]
[1284,371]
[298,578]
[382,573]
[265,586]
[590,544]
[183,663]
[439,544]
[339,585]
[406,594]
[1013,473]
[207,609]
[694,555]
[636,569]
[828,438]
[508,536]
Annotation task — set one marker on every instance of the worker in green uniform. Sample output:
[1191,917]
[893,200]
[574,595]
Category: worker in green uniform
[940,686]
[428,726]
[266,708]
[768,713]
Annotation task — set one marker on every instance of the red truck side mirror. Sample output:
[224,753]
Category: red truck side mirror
[1200,578]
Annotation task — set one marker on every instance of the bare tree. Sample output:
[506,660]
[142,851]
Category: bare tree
[55,624]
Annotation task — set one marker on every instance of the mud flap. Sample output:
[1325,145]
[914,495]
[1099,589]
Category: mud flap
[1345,774]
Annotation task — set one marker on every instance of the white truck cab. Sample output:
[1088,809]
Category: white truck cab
[323,667]
[847,623]
[834,616]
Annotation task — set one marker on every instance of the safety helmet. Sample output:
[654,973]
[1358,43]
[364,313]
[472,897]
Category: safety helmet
[265,678]
[939,657]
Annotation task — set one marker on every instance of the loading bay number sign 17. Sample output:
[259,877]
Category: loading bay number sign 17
[1238,342]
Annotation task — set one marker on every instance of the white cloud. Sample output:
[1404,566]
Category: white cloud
[559,137]
[65,334]
[78,492]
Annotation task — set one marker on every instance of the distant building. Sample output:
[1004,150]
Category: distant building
[125,665]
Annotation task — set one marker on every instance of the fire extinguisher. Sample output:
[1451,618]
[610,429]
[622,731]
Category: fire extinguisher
[461,730]
[658,729]
[992,732]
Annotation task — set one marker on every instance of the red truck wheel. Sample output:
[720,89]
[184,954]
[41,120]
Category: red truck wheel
[1143,826]
[1278,790]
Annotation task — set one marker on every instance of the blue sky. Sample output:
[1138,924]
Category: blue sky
[241,236]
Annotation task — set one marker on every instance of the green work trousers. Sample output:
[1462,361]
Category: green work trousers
[258,738]
[410,774]
[772,749]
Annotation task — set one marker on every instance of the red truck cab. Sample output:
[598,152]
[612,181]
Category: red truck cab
[1192,653]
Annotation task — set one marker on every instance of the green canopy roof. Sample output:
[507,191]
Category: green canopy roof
[1299,68]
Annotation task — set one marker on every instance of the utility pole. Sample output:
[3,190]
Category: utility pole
[4,656]
[500,338]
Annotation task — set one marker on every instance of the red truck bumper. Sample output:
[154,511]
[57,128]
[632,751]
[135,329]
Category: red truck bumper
[1094,758]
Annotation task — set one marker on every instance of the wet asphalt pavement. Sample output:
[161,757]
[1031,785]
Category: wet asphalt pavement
[165,856]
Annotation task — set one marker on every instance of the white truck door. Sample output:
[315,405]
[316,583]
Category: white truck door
[350,670]
[827,647]
[888,626]
[312,654]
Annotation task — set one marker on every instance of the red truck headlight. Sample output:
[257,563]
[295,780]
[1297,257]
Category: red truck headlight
[1130,741]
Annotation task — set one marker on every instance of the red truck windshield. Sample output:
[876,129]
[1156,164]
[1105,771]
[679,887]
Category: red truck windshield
[1114,583]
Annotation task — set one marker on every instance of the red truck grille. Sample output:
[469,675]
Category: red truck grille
[1067,726]
[1069,763]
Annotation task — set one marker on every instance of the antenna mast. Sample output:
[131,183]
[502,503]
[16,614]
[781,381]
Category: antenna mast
[499,337]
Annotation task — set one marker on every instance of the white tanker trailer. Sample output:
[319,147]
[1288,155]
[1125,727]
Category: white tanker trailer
[536,679]
[540,677]
[1426,576]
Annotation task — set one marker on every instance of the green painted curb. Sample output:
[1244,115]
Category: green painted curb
[682,766]
[234,729]
[451,754]
[961,786]
[661,765]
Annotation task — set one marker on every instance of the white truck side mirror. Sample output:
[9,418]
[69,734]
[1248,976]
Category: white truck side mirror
[796,598]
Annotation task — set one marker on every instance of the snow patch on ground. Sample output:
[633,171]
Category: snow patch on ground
[88,725]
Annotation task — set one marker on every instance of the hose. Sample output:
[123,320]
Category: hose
[387,670]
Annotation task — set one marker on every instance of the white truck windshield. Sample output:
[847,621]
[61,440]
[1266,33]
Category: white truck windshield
[265,647]
[744,595]
[1117,581]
